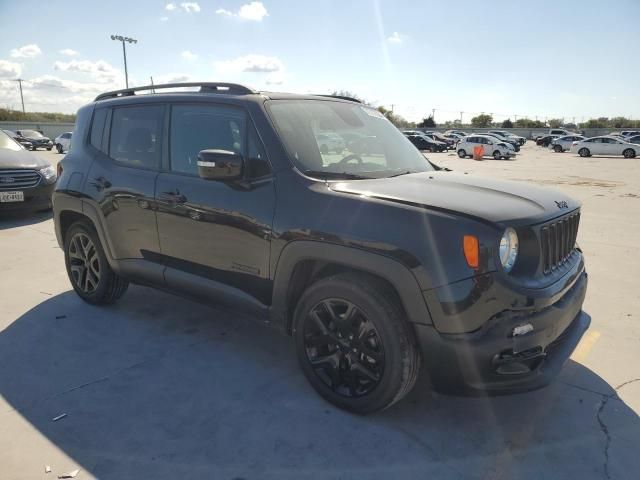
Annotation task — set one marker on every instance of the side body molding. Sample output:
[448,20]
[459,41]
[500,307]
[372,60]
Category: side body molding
[387,268]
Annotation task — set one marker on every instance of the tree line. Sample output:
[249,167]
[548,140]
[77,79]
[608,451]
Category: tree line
[7,115]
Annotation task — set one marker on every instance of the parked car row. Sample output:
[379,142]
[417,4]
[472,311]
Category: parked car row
[26,180]
[625,143]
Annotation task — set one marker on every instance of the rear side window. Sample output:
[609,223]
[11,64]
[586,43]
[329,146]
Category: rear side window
[195,128]
[136,135]
[97,128]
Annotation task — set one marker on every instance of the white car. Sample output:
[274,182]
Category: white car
[63,142]
[562,144]
[605,146]
[492,147]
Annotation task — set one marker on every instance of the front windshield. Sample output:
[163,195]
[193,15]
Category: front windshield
[8,143]
[31,133]
[344,139]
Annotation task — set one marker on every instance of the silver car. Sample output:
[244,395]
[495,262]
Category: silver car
[563,144]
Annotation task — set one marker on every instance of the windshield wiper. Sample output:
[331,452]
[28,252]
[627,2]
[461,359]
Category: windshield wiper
[336,175]
[404,172]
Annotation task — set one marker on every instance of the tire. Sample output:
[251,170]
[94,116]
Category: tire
[92,277]
[49,149]
[324,149]
[59,148]
[497,155]
[584,152]
[629,153]
[462,153]
[557,148]
[326,342]
[34,148]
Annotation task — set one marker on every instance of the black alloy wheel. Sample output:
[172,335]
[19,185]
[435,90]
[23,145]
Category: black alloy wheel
[84,264]
[344,347]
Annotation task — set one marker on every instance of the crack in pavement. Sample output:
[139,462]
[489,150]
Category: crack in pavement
[603,426]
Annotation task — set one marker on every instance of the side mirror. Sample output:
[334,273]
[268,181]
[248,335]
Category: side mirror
[219,165]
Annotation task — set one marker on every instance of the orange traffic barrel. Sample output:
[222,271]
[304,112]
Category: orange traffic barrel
[478,152]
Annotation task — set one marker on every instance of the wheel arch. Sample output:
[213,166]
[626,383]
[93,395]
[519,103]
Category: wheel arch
[302,263]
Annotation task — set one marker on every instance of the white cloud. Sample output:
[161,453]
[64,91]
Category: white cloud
[9,69]
[275,78]
[190,7]
[170,7]
[100,70]
[396,38]
[164,19]
[189,55]
[250,63]
[172,78]
[26,52]
[68,52]
[254,11]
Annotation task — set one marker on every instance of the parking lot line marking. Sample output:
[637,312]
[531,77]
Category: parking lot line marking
[581,353]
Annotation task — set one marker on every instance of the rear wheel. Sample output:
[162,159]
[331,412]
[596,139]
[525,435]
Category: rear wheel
[584,152]
[462,153]
[59,148]
[354,344]
[87,266]
[557,149]
[497,155]
[629,153]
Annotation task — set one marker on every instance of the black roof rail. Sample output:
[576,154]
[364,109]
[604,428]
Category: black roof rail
[205,87]
[341,97]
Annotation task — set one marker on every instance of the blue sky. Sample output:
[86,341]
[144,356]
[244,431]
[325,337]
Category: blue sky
[546,58]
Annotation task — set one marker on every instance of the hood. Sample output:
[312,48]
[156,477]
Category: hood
[10,159]
[497,201]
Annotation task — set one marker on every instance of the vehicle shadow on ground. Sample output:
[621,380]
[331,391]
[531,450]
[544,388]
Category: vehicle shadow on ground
[13,220]
[159,387]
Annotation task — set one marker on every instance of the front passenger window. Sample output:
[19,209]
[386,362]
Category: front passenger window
[195,128]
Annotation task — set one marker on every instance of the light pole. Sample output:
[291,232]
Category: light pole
[19,80]
[122,39]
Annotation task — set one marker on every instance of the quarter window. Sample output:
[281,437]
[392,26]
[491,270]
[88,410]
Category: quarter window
[136,135]
[196,128]
[97,127]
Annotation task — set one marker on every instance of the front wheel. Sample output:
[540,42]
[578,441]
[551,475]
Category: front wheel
[354,344]
[462,153]
[49,149]
[497,155]
[584,152]
[87,266]
[59,148]
[557,149]
[629,153]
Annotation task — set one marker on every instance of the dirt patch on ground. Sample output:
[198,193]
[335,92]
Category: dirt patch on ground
[577,181]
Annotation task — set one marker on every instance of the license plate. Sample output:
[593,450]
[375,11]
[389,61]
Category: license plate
[11,197]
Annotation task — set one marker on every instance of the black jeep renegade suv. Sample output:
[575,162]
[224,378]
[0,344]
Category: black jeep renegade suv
[377,262]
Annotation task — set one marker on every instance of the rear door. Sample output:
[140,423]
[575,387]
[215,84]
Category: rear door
[220,231]
[123,174]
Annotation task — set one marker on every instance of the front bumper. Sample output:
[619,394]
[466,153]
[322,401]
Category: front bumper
[492,360]
[35,199]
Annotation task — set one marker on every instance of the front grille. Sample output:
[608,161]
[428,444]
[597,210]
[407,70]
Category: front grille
[558,240]
[18,179]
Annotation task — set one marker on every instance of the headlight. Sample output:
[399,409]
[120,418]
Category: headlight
[49,174]
[508,249]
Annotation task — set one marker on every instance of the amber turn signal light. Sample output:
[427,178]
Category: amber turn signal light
[471,249]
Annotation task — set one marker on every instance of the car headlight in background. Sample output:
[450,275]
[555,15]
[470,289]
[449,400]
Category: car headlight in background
[49,174]
[508,249]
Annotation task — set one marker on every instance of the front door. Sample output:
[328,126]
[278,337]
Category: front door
[218,230]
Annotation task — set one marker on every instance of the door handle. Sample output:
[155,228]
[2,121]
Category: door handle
[173,197]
